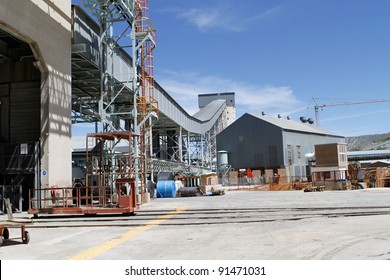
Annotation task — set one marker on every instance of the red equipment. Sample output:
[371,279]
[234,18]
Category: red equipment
[109,188]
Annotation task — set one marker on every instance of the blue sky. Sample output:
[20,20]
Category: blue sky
[277,55]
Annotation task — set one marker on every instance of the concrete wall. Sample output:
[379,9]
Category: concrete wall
[46,26]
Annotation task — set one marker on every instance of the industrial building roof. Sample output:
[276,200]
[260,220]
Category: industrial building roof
[368,155]
[217,94]
[204,99]
[288,124]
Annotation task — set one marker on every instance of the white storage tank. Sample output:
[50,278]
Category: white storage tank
[222,158]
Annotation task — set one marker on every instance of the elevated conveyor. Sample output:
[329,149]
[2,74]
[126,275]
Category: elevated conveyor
[177,136]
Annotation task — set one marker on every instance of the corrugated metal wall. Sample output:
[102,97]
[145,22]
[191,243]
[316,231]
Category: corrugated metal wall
[25,108]
[4,113]
[252,143]
[20,109]
[20,122]
[21,102]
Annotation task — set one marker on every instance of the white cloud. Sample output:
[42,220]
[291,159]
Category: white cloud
[223,16]
[210,18]
[251,98]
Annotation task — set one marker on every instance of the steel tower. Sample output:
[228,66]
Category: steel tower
[125,24]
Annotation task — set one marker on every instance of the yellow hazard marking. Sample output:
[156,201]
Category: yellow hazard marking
[104,247]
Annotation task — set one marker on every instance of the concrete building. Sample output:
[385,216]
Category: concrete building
[35,93]
[266,142]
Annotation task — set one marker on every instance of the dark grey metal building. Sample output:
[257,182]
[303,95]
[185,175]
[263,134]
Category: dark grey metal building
[266,142]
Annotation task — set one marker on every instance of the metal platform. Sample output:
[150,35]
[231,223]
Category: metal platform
[109,182]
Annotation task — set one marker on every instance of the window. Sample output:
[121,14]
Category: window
[343,148]
[298,151]
[343,159]
[289,154]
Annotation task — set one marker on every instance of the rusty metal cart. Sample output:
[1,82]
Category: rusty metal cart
[4,230]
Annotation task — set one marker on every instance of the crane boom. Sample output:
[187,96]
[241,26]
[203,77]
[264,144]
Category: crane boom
[317,106]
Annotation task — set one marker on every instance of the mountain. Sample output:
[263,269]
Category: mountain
[369,142]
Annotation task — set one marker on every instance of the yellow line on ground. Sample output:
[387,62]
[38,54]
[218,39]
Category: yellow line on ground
[104,247]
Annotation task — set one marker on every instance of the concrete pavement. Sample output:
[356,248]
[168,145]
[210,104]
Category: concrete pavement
[286,225]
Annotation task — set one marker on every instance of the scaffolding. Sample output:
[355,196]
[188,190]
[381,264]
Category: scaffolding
[147,105]
[126,24]
[116,56]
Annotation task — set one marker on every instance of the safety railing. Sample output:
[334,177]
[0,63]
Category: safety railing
[57,197]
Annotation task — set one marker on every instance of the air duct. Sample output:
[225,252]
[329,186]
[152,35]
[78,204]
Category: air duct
[303,119]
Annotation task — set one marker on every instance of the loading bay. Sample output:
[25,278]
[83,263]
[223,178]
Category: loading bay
[240,225]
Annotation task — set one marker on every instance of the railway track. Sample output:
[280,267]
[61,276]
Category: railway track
[205,216]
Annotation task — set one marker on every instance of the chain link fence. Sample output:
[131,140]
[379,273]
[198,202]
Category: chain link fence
[267,183]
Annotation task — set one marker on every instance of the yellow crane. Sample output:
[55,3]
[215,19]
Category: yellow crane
[317,106]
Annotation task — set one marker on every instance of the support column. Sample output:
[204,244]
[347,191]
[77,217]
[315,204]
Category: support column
[56,160]
[189,148]
[201,149]
[180,144]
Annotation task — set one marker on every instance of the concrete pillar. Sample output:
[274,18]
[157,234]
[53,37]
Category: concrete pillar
[46,26]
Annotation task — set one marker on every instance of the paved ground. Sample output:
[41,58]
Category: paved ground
[242,225]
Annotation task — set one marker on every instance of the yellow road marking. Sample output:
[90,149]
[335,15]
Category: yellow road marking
[104,247]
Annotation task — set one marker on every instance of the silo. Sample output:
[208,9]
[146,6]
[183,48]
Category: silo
[222,158]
